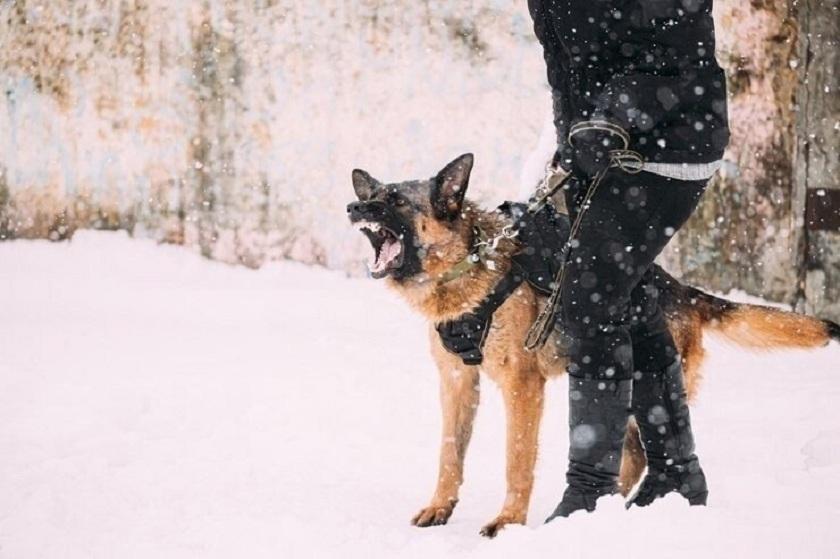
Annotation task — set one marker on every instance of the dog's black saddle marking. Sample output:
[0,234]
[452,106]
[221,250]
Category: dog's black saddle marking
[541,237]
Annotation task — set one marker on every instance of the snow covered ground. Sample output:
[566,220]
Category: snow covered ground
[154,404]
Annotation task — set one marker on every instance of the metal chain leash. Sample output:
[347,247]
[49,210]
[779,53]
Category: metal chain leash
[554,179]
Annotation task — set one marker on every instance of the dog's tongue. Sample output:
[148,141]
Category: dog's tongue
[388,253]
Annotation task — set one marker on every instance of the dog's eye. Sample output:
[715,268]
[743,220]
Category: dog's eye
[396,200]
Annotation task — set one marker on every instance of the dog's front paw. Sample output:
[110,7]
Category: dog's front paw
[434,515]
[490,530]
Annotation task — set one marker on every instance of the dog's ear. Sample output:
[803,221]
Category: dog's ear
[450,186]
[363,184]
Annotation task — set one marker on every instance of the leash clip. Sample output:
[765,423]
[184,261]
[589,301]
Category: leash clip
[508,232]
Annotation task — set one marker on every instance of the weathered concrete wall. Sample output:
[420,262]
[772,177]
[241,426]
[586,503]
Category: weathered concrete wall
[231,126]
[750,233]
[743,236]
[818,150]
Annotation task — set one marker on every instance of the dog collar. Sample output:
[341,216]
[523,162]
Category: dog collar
[477,255]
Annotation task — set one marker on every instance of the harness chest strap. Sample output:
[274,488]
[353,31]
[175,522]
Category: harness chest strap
[540,235]
[465,336]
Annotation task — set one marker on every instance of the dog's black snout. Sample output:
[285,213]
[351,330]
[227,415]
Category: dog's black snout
[356,208]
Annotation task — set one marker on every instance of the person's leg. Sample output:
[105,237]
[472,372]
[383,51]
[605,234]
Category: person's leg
[629,222]
[660,404]
[660,407]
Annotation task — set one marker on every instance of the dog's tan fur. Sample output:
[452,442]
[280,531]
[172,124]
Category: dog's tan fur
[522,375]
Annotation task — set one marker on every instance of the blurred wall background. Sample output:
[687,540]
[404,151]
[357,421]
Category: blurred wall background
[232,126]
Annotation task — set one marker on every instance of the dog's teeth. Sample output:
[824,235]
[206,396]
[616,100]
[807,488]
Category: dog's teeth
[370,226]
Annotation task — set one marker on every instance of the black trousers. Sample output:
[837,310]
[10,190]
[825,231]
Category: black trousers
[610,303]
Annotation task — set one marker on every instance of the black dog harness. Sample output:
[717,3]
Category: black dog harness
[542,237]
[546,240]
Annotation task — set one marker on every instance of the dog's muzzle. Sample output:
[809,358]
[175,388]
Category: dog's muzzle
[384,232]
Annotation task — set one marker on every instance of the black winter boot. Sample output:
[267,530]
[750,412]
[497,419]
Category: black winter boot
[598,413]
[660,406]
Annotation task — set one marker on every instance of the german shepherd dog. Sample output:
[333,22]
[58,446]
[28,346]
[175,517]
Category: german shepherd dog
[421,229]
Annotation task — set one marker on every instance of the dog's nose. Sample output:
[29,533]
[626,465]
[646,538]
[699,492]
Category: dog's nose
[356,207]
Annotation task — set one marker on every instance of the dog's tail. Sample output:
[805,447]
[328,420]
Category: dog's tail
[760,327]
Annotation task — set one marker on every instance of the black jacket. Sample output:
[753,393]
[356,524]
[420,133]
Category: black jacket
[647,65]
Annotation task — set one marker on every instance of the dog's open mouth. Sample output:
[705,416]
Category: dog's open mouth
[387,248]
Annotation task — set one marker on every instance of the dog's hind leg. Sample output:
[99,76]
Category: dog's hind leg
[633,461]
[459,401]
[523,392]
